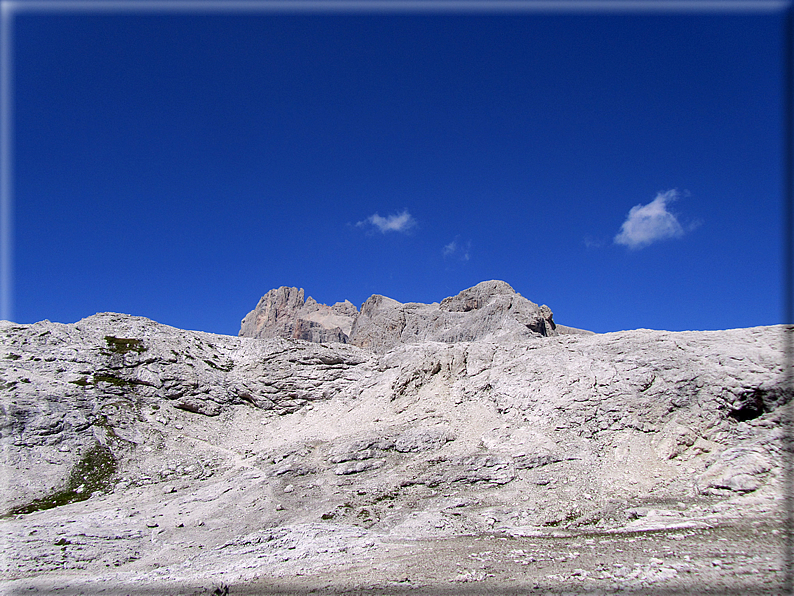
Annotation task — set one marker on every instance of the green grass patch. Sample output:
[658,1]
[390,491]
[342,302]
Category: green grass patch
[117,381]
[122,345]
[94,472]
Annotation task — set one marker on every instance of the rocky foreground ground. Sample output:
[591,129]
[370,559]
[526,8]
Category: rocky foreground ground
[140,458]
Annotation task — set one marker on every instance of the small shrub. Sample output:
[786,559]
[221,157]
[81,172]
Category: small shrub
[121,345]
[117,381]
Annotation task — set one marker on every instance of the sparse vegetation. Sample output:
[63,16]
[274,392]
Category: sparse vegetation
[118,382]
[570,517]
[121,345]
[106,378]
[388,496]
[222,367]
[92,473]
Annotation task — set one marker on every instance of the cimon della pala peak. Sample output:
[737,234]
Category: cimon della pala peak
[489,310]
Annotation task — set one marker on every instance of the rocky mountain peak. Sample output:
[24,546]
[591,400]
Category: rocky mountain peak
[491,309]
[376,302]
[477,296]
[283,312]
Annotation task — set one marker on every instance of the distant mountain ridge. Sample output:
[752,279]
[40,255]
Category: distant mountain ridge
[489,310]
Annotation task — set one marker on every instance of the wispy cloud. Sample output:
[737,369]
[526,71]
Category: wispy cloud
[457,250]
[650,223]
[400,222]
[592,242]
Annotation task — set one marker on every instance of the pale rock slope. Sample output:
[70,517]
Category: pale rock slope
[137,454]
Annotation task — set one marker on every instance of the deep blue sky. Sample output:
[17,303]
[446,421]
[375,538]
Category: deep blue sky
[179,166]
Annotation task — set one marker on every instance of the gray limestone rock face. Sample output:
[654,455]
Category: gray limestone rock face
[116,382]
[273,314]
[489,310]
[380,323]
[283,312]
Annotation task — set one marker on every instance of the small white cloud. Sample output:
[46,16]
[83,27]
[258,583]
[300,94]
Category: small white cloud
[457,250]
[591,242]
[649,223]
[401,222]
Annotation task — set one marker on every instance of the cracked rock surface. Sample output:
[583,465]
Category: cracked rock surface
[138,455]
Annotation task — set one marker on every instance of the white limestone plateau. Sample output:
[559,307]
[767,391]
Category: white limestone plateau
[472,446]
